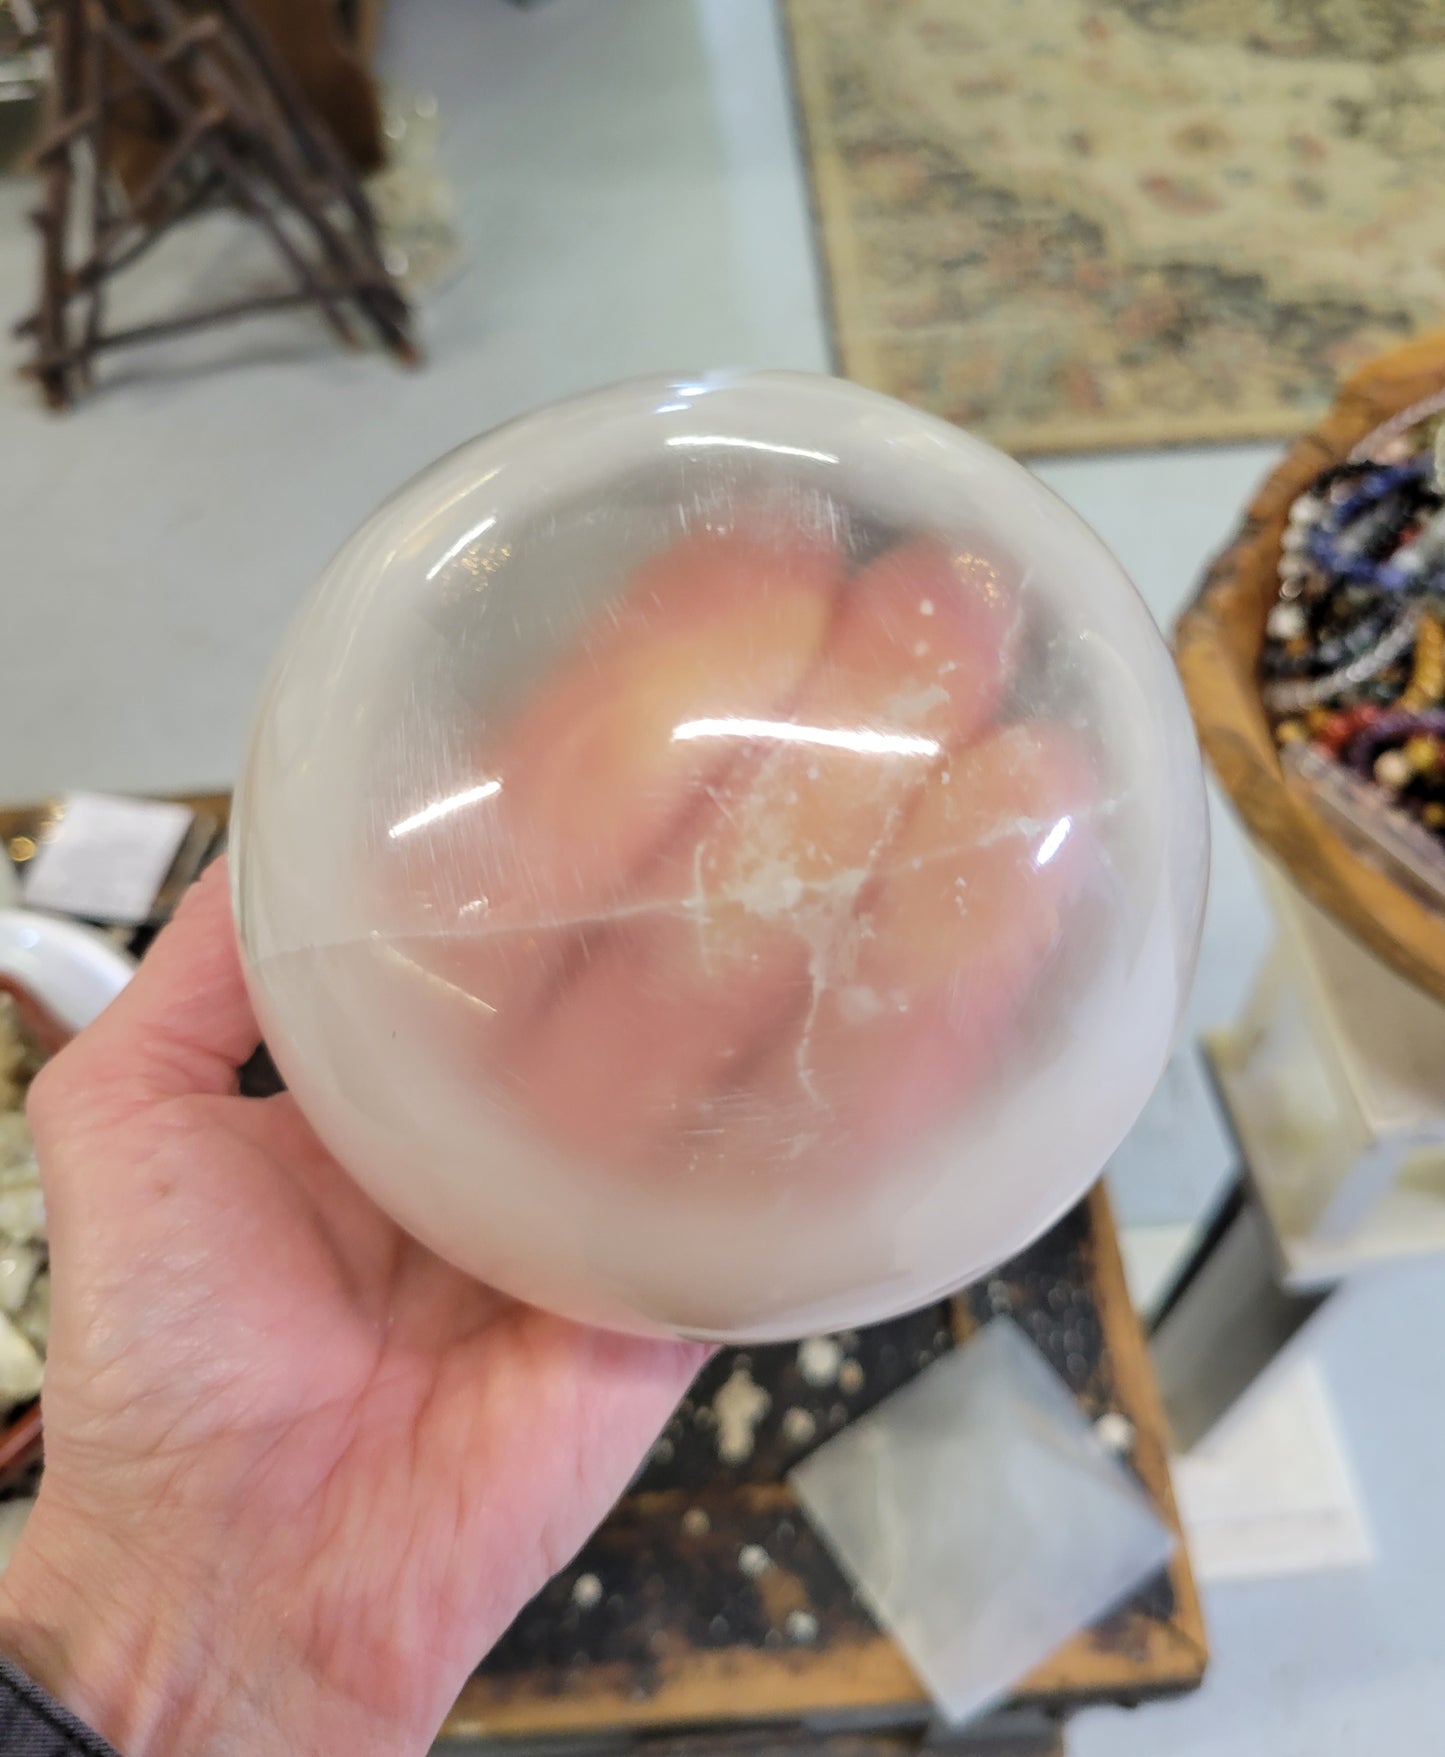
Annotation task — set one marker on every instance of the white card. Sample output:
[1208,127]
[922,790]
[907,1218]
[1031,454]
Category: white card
[107,857]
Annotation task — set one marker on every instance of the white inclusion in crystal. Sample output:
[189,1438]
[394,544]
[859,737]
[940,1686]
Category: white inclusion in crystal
[858,1003]
[770,889]
[915,702]
[697,906]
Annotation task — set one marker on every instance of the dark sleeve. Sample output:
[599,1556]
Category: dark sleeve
[33,1724]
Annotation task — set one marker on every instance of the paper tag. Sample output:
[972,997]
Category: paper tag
[107,858]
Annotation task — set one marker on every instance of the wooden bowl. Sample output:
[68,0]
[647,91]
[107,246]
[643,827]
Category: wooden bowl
[1217,644]
[20,1436]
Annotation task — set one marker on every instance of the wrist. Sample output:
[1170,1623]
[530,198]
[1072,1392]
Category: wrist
[156,1661]
[97,1628]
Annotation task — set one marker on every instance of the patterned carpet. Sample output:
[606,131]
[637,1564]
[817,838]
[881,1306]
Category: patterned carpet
[1071,224]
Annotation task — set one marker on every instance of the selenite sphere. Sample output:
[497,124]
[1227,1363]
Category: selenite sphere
[722,857]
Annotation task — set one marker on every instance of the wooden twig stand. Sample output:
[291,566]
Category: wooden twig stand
[238,130]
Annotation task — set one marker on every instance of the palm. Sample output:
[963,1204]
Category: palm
[244,1344]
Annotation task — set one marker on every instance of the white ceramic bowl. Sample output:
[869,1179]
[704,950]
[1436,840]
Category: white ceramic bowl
[73,971]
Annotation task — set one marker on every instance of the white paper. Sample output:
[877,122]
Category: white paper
[107,858]
[1271,1491]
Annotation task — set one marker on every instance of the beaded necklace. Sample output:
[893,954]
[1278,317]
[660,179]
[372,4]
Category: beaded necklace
[1353,663]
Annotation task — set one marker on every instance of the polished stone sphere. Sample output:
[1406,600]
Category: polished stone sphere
[722,857]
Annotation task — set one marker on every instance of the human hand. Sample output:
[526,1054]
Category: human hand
[300,1473]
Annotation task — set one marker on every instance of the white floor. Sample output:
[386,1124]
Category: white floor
[631,197]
